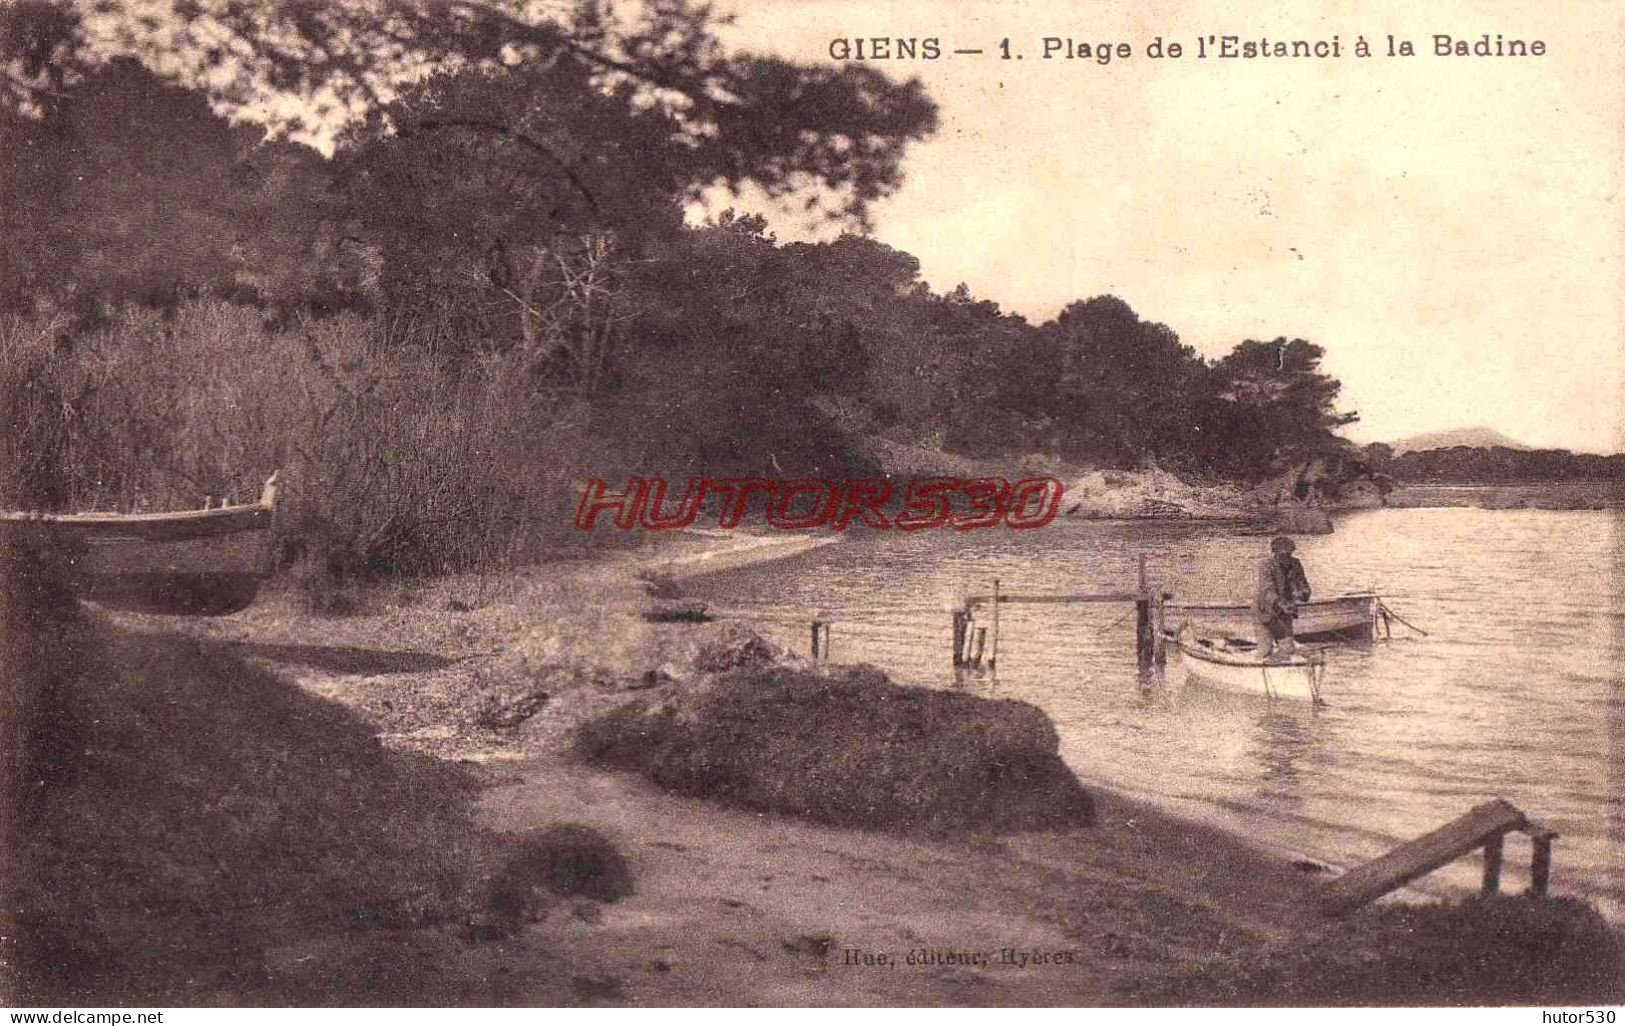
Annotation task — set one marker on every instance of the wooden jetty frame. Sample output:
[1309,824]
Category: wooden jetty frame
[1484,826]
[971,643]
[1158,617]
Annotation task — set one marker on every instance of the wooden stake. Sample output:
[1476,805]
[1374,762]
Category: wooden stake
[1492,863]
[1143,643]
[1142,633]
[993,660]
[1159,643]
[1540,867]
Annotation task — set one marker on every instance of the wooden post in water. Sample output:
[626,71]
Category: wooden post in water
[820,641]
[981,641]
[960,620]
[1492,863]
[1159,643]
[1540,866]
[1143,643]
[993,660]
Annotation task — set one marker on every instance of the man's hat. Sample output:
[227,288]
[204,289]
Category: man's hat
[1281,543]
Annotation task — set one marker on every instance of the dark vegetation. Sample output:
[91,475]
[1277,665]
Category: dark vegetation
[181,812]
[853,750]
[1499,950]
[488,291]
[171,814]
[1463,464]
[567,859]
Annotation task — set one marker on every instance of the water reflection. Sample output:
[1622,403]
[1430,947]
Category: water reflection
[1280,741]
[1153,682]
[976,680]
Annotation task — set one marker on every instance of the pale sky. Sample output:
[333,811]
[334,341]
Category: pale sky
[1448,228]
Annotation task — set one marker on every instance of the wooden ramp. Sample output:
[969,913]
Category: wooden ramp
[1484,826]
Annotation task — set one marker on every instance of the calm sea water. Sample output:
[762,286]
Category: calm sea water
[1515,692]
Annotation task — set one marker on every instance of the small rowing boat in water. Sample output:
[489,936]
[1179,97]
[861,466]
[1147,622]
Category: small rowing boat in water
[1239,664]
[206,562]
[1345,618]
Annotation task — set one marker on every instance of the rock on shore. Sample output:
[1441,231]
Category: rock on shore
[848,747]
[1154,494]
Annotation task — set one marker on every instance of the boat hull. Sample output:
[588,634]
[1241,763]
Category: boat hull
[1346,618]
[196,563]
[1295,679]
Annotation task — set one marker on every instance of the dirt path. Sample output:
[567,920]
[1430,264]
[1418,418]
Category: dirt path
[737,908]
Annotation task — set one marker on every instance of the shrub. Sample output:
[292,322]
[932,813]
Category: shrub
[566,859]
[399,455]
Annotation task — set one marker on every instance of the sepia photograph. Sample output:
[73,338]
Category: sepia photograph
[606,504]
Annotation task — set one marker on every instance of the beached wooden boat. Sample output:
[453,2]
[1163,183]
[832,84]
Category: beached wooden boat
[206,562]
[1239,664]
[1345,618]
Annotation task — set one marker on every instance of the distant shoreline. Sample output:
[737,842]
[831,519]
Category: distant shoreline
[1552,495]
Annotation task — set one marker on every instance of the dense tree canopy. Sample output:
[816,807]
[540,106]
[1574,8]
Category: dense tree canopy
[1264,403]
[133,189]
[472,185]
[1124,383]
[508,191]
[835,134]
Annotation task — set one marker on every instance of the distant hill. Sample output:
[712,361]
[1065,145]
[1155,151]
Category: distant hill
[1478,437]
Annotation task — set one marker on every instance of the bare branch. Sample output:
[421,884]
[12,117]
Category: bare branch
[508,131]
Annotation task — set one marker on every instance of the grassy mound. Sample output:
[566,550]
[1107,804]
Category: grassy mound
[1497,950]
[853,750]
[198,812]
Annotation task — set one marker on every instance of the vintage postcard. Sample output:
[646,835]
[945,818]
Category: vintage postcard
[557,503]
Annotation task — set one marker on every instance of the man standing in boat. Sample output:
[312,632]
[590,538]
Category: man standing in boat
[1282,586]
